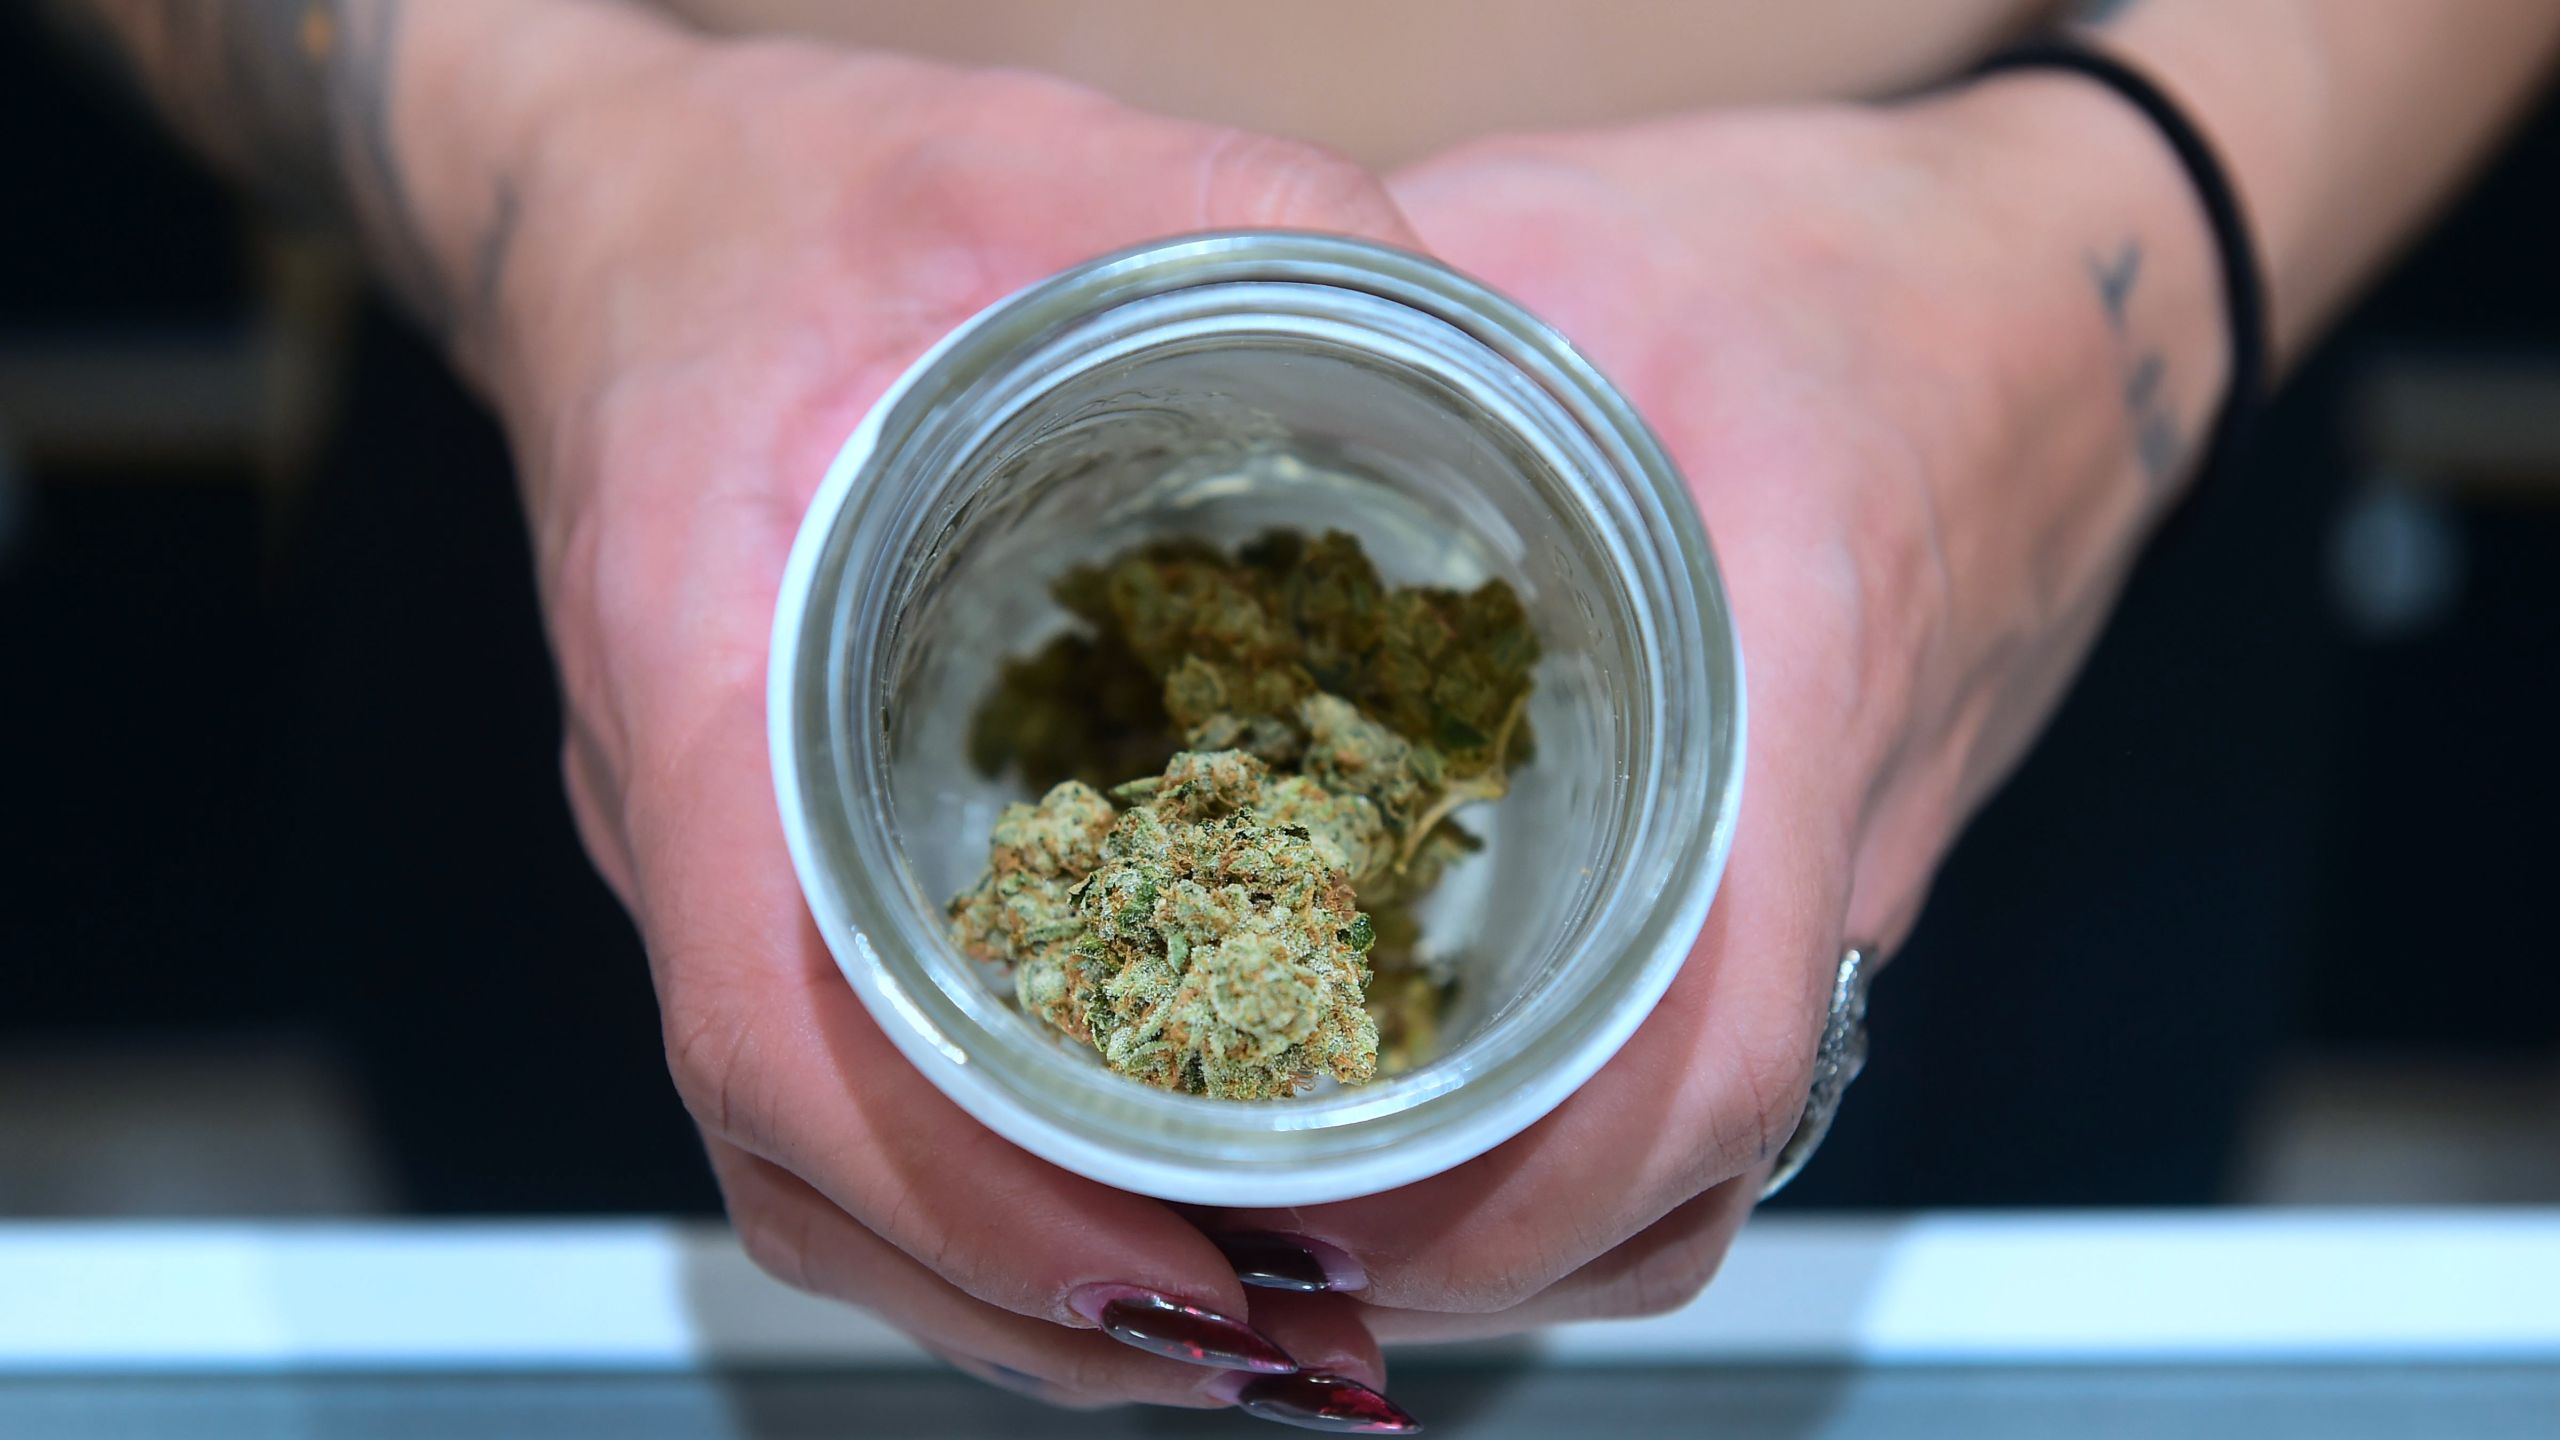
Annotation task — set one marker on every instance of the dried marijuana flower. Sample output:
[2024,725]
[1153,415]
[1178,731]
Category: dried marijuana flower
[1314,728]
[1197,941]
[1232,646]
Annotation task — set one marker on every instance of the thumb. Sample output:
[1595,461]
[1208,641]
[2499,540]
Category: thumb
[1250,181]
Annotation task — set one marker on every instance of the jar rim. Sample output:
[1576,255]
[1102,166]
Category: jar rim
[1063,1107]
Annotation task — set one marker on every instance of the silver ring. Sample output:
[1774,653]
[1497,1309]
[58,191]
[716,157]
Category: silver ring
[1836,1061]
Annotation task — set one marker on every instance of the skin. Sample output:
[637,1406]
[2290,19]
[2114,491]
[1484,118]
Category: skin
[1833,466]
[1933,371]
[678,464]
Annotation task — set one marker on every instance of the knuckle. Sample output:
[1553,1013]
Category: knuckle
[777,1245]
[915,1226]
[1518,1264]
[1751,1124]
[1760,1092]
[1777,1075]
[1667,1283]
[706,1057]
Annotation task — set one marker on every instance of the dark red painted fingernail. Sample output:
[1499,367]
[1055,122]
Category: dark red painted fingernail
[1275,1261]
[1313,1400]
[1162,1325]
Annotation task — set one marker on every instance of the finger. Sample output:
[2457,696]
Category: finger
[1706,1090]
[802,1239]
[1327,1333]
[1199,177]
[773,1052]
[1661,1269]
[1259,181]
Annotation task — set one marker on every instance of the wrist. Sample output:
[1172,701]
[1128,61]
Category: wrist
[2080,265]
[2102,249]
[2247,81]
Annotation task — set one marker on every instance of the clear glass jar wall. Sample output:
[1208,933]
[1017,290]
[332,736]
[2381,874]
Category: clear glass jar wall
[1218,387]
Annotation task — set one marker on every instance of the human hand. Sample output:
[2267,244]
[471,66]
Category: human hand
[1915,383]
[675,389]
[1906,356]
[721,259]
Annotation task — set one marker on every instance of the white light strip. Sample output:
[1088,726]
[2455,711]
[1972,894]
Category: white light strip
[2223,1286]
[146,1297]
[2131,1288]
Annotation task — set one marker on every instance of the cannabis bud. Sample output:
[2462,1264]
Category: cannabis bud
[1188,649]
[1199,941]
[1314,729]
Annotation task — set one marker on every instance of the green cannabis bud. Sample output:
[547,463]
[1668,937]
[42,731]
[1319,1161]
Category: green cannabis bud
[1307,732]
[1186,644]
[1205,940]
[1022,911]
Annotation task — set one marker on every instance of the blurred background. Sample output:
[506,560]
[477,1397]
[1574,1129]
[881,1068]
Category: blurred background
[292,920]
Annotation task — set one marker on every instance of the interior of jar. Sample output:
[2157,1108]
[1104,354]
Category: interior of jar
[1220,433]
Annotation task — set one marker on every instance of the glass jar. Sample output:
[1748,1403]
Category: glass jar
[1217,387]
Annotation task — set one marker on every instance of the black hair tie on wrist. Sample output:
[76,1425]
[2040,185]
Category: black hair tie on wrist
[2244,290]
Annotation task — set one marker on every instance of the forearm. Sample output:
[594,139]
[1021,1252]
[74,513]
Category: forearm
[2100,354]
[407,121]
[2345,123]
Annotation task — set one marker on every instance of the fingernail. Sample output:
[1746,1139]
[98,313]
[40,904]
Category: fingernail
[1275,1261]
[1313,1400]
[1162,1325]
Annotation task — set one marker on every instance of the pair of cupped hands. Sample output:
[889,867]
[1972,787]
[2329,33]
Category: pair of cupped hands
[730,250]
